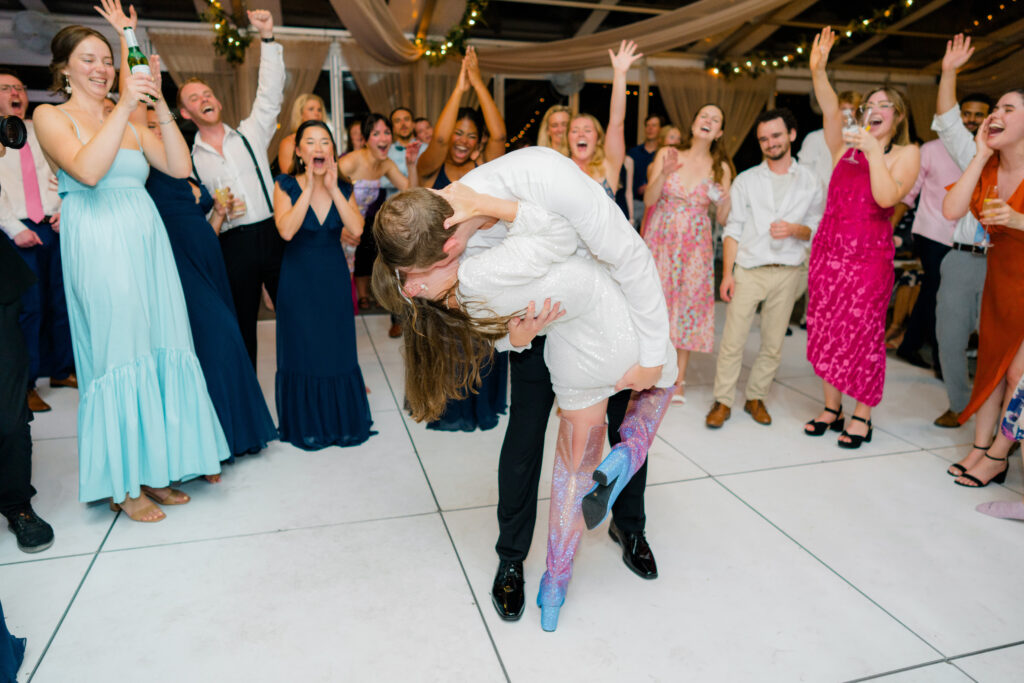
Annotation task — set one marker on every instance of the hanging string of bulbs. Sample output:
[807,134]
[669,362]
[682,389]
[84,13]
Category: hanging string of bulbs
[454,42]
[230,41]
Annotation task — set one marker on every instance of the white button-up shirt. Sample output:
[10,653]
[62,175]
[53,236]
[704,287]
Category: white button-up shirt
[815,155]
[959,142]
[552,181]
[235,167]
[12,190]
[753,211]
[396,152]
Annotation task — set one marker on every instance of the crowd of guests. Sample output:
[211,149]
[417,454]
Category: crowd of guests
[164,355]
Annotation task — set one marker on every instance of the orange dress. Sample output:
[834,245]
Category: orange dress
[1001,330]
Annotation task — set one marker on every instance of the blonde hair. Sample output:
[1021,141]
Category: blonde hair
[850,97]
[596,163]
[299,104]
[544,137]
[901,128]
[663,135]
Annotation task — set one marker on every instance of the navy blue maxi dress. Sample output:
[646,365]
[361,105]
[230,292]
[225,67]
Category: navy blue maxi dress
[479,410]
[321,396]
[12,652]
[229,374]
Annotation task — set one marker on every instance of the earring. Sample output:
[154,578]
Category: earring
[67,84]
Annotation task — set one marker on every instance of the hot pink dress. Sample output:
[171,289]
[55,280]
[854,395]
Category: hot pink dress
[678,233]
[849,285]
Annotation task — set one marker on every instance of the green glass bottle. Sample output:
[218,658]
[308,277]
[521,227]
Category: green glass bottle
[137,61]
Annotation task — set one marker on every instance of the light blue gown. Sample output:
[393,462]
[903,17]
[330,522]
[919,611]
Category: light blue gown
[144,413]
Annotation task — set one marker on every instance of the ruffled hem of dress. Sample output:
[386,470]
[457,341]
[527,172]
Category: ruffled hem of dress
[147,422]
[317,412]
[467,423]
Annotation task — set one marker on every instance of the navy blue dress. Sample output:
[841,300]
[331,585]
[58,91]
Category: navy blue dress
[479,410]
[230,377]
[321,397]
[12,652]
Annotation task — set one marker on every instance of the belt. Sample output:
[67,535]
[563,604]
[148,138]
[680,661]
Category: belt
[249,227]
[774,265]
[970,248]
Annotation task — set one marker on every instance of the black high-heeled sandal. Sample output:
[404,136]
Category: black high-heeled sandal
[978,483]
[855,440]
[818,427]
[963,470]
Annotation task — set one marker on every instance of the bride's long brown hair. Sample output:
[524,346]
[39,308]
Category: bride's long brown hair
[446,350]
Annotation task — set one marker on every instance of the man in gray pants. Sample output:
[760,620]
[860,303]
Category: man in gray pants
[962,272]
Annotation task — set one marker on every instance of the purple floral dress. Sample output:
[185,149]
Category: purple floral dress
[1013,425]
[678,233]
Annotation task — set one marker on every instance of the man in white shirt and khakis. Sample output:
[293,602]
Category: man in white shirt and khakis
[30,217]
[236,158]
[776,207]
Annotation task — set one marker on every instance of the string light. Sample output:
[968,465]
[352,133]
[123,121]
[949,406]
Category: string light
[456,38]
[230,42]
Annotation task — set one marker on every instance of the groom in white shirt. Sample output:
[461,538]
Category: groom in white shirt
[776,206]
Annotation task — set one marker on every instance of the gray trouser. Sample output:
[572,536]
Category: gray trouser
[957,307]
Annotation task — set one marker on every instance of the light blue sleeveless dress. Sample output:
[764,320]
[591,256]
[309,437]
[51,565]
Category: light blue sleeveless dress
[144,413]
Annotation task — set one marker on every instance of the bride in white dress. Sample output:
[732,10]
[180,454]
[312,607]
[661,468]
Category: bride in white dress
[551,233]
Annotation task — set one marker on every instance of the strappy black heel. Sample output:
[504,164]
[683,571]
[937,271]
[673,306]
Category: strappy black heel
[960,470]
[978,483]
[855,440]
[817,428]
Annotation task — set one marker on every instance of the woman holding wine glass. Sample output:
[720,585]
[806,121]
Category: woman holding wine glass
[992,188]
[851,271]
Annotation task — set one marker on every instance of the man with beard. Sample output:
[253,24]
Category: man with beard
[30,217]
[237,158]
[958,301]
[933,234]
[776,207]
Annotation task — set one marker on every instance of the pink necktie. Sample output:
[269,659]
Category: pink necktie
[33,201]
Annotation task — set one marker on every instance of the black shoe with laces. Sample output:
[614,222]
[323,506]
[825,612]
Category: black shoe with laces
[507,593]
[636,554]
[33,534]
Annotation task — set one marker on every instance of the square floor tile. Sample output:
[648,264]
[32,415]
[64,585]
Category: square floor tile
[898,529]
[735,600]
[1005,664]
[381,601]
[935,673]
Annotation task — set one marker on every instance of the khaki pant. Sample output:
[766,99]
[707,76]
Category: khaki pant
[775,288]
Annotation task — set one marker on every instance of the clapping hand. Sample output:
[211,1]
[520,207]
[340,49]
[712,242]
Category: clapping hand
[472,67]
[626,56]
[521,331]
[958,51]
[263,21]
[821,48]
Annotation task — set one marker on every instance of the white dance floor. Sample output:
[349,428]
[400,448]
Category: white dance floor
[782,557]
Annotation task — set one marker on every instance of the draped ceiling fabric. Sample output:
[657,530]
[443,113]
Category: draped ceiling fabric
[189,55]
[684,91]
[921,101]
[375,29]
[995,79]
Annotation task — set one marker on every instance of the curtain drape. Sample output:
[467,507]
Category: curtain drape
[921,101]
[995,79]
[377,32]
[684,91]
[187,55]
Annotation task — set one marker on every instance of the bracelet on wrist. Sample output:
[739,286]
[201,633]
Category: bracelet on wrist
[268,40]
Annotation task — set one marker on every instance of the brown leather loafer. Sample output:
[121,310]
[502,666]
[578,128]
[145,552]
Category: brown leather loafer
[69,382]
[949,420]
[758,411]
[718,415]
[37,404]
[395,331]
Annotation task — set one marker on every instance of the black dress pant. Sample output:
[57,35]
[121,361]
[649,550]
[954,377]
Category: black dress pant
[252,256]
[522,455]
[921,326]
[15,438]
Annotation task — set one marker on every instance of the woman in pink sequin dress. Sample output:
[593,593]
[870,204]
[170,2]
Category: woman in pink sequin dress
[851,269]
[684,180]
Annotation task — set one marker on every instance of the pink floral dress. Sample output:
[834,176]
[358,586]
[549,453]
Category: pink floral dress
[678,233]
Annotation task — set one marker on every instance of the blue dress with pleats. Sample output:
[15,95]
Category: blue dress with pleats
[144,413]
[321,397]
[12,652]
[229,374]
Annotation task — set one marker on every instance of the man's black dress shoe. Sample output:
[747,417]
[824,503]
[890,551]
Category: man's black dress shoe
[507,591]
[636,554]
[33,534]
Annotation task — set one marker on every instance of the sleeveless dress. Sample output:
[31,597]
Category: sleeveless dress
[369,198]
[321,397]
[479,410]
[850,281]
[1001,328]
[229,374]
[12,652]
[144,413]
[678,232]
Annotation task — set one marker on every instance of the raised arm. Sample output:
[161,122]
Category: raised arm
[958,51]
[831,115]
[285,150]
[432,158]
[492,117]
[270,84]
[614,137]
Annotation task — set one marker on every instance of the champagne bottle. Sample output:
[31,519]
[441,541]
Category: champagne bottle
[137,61]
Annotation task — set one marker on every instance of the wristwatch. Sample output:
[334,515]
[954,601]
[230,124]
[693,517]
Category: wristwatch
[268,40]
